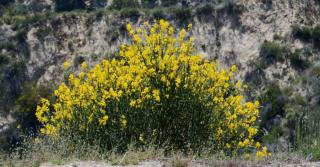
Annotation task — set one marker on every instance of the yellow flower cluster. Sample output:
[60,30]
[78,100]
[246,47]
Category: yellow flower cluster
[157,81]
[263,153]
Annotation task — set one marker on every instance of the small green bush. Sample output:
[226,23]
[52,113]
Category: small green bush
[272,52]
[182,14]
[17,9]
[304,33]
[119,4]
[78,60]
[69,5]
[3,60]
[274,101]
[158,13]
[43,31]
[5,2]
[168,3]
[26,104]
[316,34]
[21,34]
[148,3]
[7,45]
[307,33]
[298,61]
[205,10]
[130,13]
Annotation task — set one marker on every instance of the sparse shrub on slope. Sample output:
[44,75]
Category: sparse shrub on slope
[119,4]
[307,33]
[157,91]
[5,2]
[130,13]
[182,14]
[272,52]
[149,3]
[168,2]
[69,5]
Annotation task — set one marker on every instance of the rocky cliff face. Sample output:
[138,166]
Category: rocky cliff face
[34,46]
[233,36]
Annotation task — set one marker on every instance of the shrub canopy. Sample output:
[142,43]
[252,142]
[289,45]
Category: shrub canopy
[157,91]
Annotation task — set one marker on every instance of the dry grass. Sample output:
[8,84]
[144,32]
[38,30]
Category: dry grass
[57,152]
[134,156]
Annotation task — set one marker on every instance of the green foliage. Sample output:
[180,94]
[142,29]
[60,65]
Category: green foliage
[298,60]
[26,104]
[316,34]
[274,101]
[302,32]
[119,4]
[21,34]
[158,13]
[307,33]
[175,101]
[148,3]
[307,134]
[182,14]
[7,46]
[16,9]
[78,60]
[272,52]
[5,2]
[274,135]
[69,5]
[168,3]
[130,13]
[3,60]
[43,31]
[205,10]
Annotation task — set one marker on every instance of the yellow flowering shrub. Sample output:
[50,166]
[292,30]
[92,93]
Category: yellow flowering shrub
[158,90]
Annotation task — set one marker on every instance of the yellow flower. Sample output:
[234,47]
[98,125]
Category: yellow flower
[262,153]
[41,110]
[130,30]
[258,145]
[103,120]
[189,27]
[133,103]
[37,140]
[141,137]
[233,68]
[156,95]
[252,131]
[66,65]
[178,81]
[123,121]
[49,130]
[84,65]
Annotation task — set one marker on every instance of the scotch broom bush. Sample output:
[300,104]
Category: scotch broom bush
[157,91]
